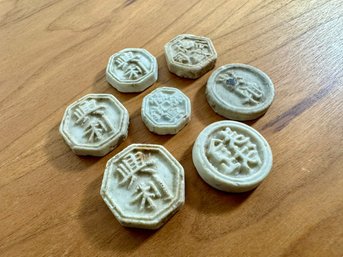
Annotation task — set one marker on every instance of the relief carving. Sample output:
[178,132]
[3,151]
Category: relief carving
[232,153]
[145,192]
[249,92]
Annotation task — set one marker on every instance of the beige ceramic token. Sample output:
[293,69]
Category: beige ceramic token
[166,110]
[132,70]
[190,56]
[95,124]
[232,156]
[239,92]
[143,186]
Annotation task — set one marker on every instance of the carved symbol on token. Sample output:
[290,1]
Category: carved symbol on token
[191,51]
[92,118]
[129,171]
[131,65]
[249,92]
[166,108]
[232,152]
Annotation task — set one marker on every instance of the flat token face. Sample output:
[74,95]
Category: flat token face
[232,156]
[166,110]
[131,70]
[143,186]
[239,92]
[190,56]
[95,124]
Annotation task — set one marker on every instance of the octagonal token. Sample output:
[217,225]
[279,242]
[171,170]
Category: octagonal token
[95,124]
[166,110]
[132,70]
[190,56]
[232,156]
[143,186]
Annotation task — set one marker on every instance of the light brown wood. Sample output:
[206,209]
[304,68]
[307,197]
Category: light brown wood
[54,52]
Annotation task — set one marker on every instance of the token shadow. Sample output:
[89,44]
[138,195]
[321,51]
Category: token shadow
[139,133]
[101,85]
[203,197]
[62,157]
[101,227]
[203,111]
[100,78]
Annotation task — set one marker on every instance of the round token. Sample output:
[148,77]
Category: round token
[232,156]
[239,92]
[95,124]
[132,70]
[143,186]
[166,110]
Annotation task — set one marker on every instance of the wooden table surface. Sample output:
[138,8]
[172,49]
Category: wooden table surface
[54,52]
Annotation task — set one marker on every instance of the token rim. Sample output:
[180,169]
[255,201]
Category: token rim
[225,183]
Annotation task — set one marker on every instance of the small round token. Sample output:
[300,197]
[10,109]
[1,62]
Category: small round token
[95,124]
[132,70]
[143,186]
[190,56]
[239,92]
[231,156]
[166,110]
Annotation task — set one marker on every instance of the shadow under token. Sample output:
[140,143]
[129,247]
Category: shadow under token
[101,86]
[202,196]
[101,227]
[62,157]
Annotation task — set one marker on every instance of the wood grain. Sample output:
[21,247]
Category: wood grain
[54,52]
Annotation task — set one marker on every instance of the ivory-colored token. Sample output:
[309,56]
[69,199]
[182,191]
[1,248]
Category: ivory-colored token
[132,70]
[166,110]
[239,92]
[143,186]
[232,156]
[190,56]
[95,124]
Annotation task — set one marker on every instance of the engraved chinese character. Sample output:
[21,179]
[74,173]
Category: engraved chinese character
[92,118]
[145,195]
[131,65]
[130,171]
[232,152]
[251,93]
[191,51]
